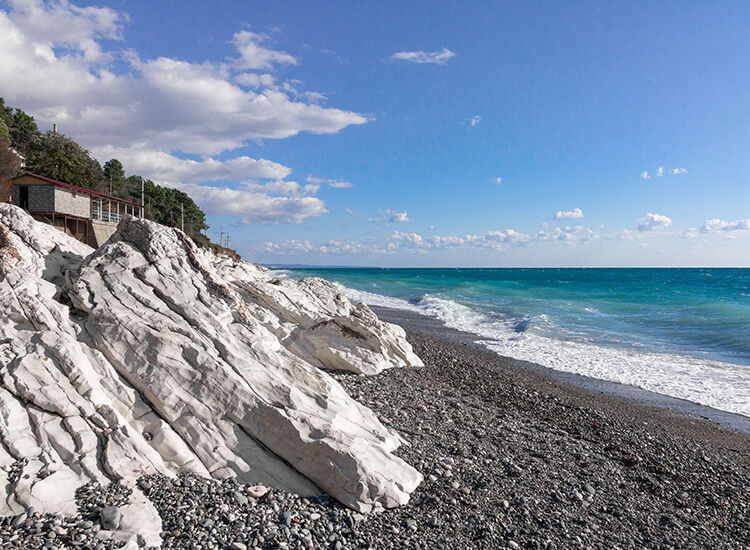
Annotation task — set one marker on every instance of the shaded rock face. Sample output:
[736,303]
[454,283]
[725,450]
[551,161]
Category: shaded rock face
[151,355]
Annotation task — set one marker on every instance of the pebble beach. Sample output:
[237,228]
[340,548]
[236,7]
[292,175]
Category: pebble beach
[512,458]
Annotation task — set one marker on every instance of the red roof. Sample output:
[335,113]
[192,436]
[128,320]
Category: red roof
[76,188]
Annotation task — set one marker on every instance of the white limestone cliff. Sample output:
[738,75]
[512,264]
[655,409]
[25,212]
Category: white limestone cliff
[151,355]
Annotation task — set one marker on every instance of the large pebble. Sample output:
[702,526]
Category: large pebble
[257,491]
[110,517]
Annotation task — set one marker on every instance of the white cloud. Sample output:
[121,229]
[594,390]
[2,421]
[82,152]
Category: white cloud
[255,80]
[398,217]
[64,25]
[295,247]
[255,56]
[498,181]
[256,205]
[720,225]
[690,233]
[389,216]
[439,58]
[407,240]
[55,64]
[281,187]
[170,169]
[510,236]
[401,242]
[447,242]
[341,184]
[347,247]
[660,172]
[290,247]
[654,221]
[338,184]
[475,120]
[312,97]
[569,214]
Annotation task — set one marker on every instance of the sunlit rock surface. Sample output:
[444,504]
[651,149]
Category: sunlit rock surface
[151,355]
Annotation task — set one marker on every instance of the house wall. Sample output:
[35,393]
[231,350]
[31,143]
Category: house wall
[72,204]
[41,197]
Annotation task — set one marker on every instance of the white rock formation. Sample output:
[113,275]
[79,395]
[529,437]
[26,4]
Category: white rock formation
[319,324]
[151,355]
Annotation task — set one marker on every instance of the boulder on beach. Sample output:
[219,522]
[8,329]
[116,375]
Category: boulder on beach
[150,355]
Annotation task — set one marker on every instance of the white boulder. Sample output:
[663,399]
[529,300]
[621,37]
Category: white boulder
[151,355]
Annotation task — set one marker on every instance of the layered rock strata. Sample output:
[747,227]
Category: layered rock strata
[152,355]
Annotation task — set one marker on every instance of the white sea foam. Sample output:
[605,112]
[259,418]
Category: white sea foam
[716,384]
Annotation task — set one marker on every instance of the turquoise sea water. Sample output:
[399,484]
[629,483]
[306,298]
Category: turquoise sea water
[680,332]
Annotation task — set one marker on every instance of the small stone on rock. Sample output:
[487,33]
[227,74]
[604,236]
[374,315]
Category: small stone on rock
[257,491]
[110,517]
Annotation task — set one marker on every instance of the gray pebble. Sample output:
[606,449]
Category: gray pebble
[110,517]
[18,520]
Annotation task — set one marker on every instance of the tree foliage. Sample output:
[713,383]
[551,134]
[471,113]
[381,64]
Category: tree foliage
[114,174]
[58,157]
[4,132]
[21,127]
[167,205]
[10,163]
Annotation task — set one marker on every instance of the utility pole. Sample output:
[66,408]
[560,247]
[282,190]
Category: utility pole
[221,236]
[143,200]
[182,217]
[227,246]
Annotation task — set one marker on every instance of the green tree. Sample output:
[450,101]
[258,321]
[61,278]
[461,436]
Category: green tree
[22,127]
[10,163]
[23,131]
[167,206]
[6,113]
[132,188]
[4,131]
[58,157]
[114,175]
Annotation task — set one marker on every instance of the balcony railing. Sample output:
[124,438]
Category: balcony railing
[104,216]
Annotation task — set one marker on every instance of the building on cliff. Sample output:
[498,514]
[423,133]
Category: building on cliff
[87,215]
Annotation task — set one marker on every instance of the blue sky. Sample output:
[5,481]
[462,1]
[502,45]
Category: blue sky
[375,133]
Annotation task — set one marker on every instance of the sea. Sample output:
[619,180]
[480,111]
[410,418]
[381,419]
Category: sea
[683,333]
